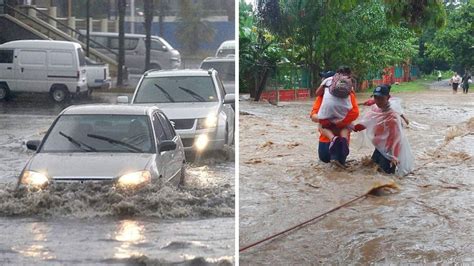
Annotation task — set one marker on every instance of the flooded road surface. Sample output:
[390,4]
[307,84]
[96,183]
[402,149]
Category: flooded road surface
[94,224]
[283,183]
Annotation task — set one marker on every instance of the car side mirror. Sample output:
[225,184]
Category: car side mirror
[229,98]
[167,145]
[164,48]
[122,99]
[33,144]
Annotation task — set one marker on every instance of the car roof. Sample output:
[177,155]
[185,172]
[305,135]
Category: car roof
[109,109]
[178,73]
[41,44]
[115,34]
[220,59]
[230,44]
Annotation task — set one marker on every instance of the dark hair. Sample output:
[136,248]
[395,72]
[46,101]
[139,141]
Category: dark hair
[345,70]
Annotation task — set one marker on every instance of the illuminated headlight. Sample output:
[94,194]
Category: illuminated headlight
[134,179]
[201,142]
[35,179]
[208,122]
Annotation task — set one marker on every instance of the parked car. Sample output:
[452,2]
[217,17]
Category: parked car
[195,101]
[123,145]
[55,67]
[225,67]
[226,48]
[98,75]
[163,55]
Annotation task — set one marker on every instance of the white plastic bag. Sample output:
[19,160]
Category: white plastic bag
[334,108]
[384,129]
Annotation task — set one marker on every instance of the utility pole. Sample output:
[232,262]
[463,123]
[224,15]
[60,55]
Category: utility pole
[132,15]
[121,56]
[88,7]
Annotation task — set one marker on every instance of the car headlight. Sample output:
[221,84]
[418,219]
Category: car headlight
[35,179]
[201,142]
[134,179]
[208,122]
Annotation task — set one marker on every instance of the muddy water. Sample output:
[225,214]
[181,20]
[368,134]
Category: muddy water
[93,224]
[282,183]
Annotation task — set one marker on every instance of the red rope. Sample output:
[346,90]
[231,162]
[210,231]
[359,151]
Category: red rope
[301,224]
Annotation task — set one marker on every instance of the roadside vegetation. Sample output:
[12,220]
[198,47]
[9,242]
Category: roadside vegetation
[367,36]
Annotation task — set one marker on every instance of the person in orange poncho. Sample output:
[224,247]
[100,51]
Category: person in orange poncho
[340,149]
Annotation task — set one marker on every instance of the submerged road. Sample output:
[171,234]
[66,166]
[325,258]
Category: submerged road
[283,183]
[96,225]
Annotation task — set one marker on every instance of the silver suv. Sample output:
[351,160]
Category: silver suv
[196,103]
[225,67]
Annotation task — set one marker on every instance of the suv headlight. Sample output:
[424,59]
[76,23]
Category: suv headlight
[208,122]
[31,178]
[134,179]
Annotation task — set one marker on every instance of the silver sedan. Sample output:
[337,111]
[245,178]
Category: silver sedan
[125,145]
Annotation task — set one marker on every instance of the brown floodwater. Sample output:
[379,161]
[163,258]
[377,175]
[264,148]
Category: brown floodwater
[283,183]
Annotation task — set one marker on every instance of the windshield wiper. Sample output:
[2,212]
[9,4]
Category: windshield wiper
[78,144]
[114,141]
[165,93]
[192,93]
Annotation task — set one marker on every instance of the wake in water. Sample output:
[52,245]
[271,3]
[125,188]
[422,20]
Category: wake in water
[98,200]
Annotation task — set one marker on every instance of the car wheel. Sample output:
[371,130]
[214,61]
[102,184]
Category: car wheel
[190,156]
[89,93]
[59,94]
[226,140]
[182,178]
[232,137]
[4,92]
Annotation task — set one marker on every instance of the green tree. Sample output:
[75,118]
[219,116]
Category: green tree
[193,29]
[361,33]
[454,43]
[258,55]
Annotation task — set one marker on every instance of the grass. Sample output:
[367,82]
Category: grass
[412,86]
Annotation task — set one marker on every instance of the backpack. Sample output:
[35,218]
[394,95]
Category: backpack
[341,86]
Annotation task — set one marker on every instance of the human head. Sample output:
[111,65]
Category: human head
[381,95]
[345,70]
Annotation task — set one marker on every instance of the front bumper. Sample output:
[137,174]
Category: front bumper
[216,138]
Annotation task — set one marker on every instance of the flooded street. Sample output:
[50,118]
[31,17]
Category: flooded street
[283,183]
[95,224]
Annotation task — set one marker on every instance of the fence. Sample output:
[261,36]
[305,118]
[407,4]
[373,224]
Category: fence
[290,83]
[287,83]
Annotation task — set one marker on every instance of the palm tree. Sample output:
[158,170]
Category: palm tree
[192,30]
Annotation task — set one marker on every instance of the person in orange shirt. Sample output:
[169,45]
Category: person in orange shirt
[340,148]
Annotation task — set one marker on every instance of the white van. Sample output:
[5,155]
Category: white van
[162,54]
[56,67]
[226,48]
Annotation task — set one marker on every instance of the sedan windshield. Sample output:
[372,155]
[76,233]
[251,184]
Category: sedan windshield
[100,133]
[176,90]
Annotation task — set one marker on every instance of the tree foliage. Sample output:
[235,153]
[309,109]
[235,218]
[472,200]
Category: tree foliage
[366,35]
[193,29]
[454,44]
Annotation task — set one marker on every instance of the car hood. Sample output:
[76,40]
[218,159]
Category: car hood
[90,165]
[188,110]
